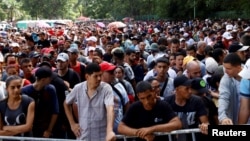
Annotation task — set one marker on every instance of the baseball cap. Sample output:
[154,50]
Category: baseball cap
[105,66]
[21,55]
[182,80]
[211,65]
[92,38]
[227,35]
[154,47]
[73,50]
[73,45]
[63,57]
[34,54]
[229,27]
[187,59]
[199,85]
[234,47]
[244,73]
[45,63]
[43,72]
[182,39]
[14,45]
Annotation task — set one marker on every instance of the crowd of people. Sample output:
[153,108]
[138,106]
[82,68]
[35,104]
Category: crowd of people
[92,83]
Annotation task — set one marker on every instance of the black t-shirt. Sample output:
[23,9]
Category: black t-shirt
[44,43]
[211,108]
[189,113]
[72,77]
[137,117]
[200,57]
[138,72]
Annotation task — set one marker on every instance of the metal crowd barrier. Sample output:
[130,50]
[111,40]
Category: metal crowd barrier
[182,131]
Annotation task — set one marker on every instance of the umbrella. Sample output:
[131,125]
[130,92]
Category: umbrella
[82,18]
[42,24]
[116,24]
[100,24]
[127,19]
[59,23]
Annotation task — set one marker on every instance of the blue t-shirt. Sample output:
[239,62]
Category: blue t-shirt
[245,87]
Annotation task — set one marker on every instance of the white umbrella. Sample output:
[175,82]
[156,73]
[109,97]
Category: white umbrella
[42,24]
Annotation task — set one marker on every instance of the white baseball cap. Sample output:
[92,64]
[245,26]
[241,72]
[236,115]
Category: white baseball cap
[227,35]
[92,38]
[63,57]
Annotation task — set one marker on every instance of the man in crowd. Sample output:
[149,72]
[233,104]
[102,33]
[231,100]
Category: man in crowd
[148,115]
[96,101]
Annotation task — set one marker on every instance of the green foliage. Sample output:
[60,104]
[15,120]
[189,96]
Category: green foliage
[118,9]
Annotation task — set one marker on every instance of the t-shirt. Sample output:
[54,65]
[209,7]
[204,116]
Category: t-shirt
[137,117]
[211,108]
[72,77]
[245,88]
[15,116]
[92,110]
[189,113]
[46,104]
[80,69]
[44,43]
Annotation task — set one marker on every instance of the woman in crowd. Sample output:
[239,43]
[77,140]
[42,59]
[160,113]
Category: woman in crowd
[119,74]
[16,111]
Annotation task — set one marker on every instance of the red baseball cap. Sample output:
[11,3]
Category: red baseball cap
[105,66]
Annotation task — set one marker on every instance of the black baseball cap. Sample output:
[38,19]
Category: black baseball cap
[43,72]
[182,80]
[34,54]
[199,85]
[45,63]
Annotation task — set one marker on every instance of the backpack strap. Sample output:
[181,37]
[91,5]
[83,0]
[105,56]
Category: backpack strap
[123,84]
[120,96]
[164,87]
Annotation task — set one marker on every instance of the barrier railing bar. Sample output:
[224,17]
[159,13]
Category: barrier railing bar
[33,139]
[182,131]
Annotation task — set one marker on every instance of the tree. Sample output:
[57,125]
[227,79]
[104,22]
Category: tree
[12,8]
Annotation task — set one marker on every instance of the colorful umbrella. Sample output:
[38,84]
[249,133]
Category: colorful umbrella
[116,24]
[100,24]
[42,24]
[127,19]
[82,18]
